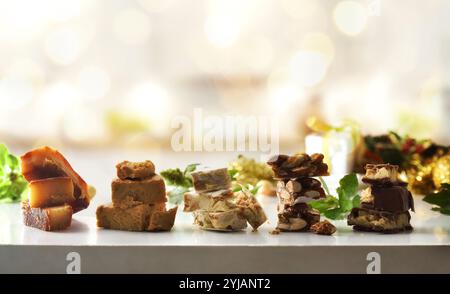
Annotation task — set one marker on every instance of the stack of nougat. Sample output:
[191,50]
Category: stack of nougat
[296,187]
[56,190]
[385,204]
[216,207]
[138,200]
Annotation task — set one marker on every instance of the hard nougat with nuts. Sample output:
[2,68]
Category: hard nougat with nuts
[216,207]
[296,187]
[138,200]
[385,204]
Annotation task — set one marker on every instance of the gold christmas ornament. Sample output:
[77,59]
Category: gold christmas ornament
[420,175]
[441,171]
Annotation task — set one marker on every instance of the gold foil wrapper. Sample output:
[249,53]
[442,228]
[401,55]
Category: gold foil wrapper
[425,176]
[441,171]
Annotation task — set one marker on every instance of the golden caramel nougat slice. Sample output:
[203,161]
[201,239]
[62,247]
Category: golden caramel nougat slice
[46,162]
[51,192]
[47,219]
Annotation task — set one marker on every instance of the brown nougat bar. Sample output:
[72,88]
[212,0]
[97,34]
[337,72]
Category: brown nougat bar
[147,191]
[162,220]
[127,170]
[135,218]
[47,219]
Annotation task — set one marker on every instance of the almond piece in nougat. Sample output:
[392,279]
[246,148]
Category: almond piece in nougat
[221,200]
[381,173]
[148,191]
[231,220]
[211,180]
[47,219]
[51,192]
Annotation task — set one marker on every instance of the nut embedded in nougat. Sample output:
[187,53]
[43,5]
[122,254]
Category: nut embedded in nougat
[298,166]
[221,200]
[231,220]
[363,219]
[380,173]
[293,224]
[323,228]
[251,209]
[212,180]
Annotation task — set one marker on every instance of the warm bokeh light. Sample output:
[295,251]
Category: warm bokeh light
[350,17]
[150,101]
[15,93]
[66,58]
[132,26]
[94,82]
[63,46]
[308,68]
[156,5]
[320,43]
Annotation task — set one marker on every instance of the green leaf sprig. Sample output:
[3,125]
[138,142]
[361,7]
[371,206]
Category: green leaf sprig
[337,208]
[13,186]
[180,180]
[440,200]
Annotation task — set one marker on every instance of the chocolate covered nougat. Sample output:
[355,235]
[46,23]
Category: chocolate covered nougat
[380,173]
[298,166]
[385,204]
[296,187]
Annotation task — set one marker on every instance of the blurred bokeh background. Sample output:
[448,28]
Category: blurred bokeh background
[101,73]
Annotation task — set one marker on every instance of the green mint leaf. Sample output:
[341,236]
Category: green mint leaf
[232,172]
[440,199]
[190,168]
[325,204]
[180,180]
[445,210]
[175,177]
[335,214]
[356,201]
[12,184]
[349,185]
[325,186]
[176,195]
[347,197]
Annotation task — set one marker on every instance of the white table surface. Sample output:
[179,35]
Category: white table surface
[431,230]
